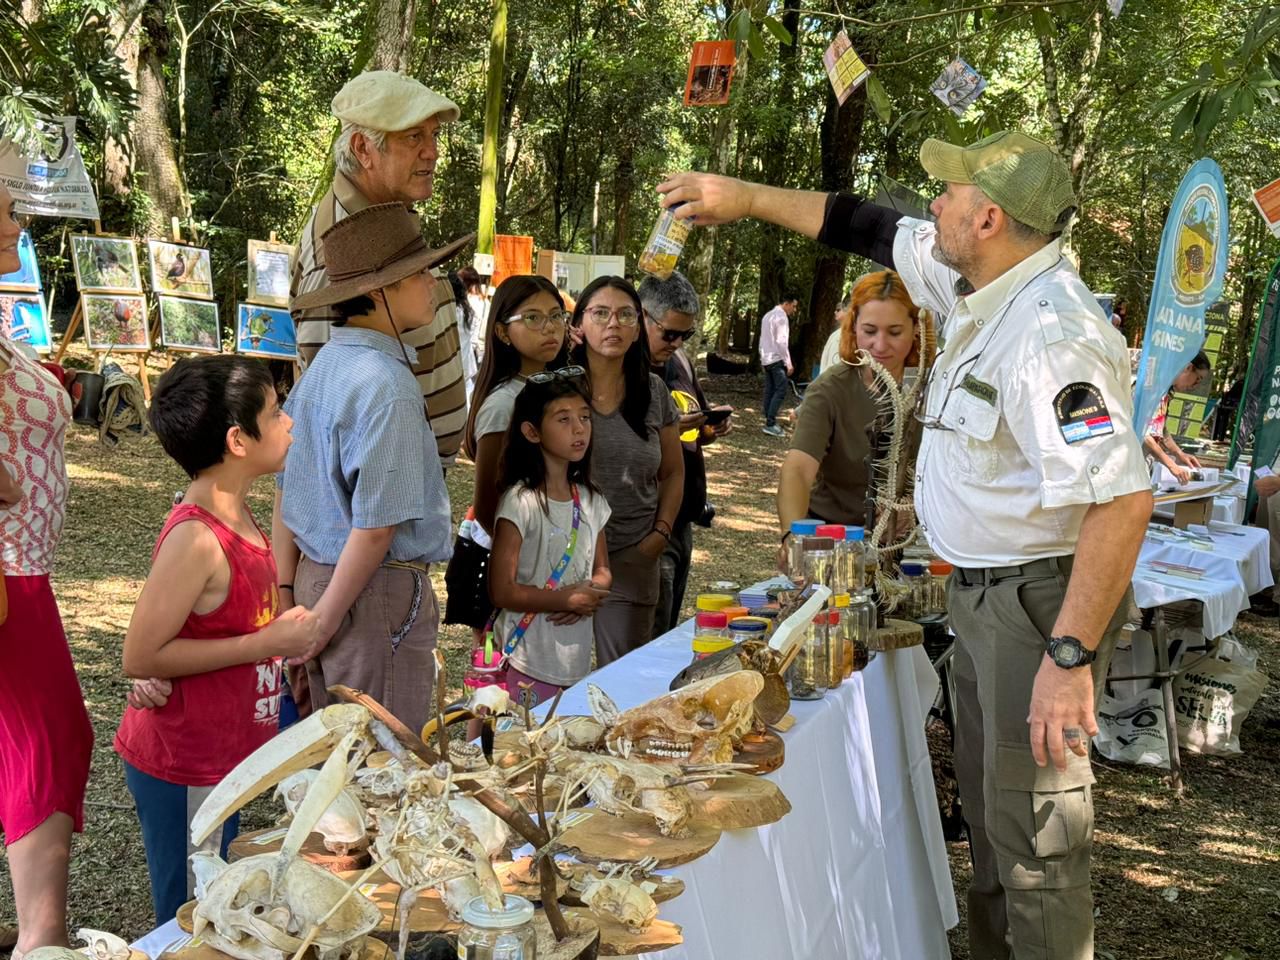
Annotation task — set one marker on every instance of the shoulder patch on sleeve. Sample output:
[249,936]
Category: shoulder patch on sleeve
[1081,412]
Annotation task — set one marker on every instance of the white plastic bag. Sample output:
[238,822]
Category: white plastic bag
[1132,730]
[1212,698]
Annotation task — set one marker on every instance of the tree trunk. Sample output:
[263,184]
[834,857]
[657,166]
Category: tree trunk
[117,157]
[392,34]
[155,160]
[624,187]
[840,138]
[492,128]
[773,265]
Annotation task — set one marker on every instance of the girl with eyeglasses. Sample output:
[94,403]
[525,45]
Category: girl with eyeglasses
[550,566]
[526,335]
[635,456]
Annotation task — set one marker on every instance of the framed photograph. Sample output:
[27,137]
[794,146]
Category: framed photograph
[190,324]
[270,268]
[23,319]
[105,264]
[263,331]
[710,73]
[958,86]
[180,270]
[115,322]
[27,276]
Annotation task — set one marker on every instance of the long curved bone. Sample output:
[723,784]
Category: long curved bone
[301,746]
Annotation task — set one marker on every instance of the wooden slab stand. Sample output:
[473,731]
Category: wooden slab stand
[633,837]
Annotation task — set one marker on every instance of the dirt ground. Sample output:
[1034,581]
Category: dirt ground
[1190,879]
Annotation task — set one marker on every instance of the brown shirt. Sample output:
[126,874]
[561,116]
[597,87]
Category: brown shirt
[439,367]
[832,428]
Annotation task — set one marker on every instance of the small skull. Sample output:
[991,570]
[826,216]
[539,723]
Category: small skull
[695,724]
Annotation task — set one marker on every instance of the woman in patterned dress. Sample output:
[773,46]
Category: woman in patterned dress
[45,736]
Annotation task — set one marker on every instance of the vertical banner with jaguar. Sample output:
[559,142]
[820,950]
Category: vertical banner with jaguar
[1189,275]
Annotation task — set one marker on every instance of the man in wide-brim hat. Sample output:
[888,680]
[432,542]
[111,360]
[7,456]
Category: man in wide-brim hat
[361,508]
[386,151]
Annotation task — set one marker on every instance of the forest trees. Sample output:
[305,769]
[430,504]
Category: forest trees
[217,112]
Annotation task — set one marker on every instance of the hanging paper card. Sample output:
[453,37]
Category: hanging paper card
[844,67]
[54,183]
[958,86]
[710,73]
[1115,6]
[1267,200]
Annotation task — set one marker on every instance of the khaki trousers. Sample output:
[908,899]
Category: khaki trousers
[386,644]
[1030,828]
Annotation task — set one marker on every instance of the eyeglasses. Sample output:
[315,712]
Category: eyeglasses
[564,373]
[600,316]
[669,335]
[539,321]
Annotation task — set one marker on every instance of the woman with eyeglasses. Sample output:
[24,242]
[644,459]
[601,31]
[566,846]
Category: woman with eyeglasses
[526,335]
[824,475]
[635,459]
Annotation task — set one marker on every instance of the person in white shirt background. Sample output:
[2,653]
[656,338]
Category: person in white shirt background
[775,358]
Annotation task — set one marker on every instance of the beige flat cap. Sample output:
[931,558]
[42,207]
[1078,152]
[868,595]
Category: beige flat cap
[386,100]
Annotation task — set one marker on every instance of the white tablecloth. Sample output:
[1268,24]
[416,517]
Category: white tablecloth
[1239,553]
[859,867]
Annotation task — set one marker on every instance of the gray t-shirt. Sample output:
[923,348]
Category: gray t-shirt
[626,467]
[551,653]
[495,411]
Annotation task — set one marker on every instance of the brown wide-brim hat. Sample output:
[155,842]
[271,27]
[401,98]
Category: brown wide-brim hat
[371,249]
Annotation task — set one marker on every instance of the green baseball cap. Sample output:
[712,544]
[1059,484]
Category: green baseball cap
[1026,177]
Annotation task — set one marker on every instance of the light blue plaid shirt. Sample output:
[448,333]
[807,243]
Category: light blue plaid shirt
[363,454]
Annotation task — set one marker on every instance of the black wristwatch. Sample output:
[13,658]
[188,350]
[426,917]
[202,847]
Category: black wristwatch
[1068,652]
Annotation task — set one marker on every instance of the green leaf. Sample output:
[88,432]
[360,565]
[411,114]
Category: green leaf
[774,26]
[1042,22]
[1180,94]
[1182,122]
[955,132]
[739,26]
[1242,103]
[1273,60]
[1219,68]
[755,42]
[1207,119]
[879,98]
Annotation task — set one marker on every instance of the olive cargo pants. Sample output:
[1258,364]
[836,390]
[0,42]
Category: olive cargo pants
[1030,827]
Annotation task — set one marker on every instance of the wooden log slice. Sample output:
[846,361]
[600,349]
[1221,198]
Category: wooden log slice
[764,750]
[372,950]
[313,850]
[739,802]
[666,888]
[519,877]
[634,837]
[583,942]
[619,940]
[897,635]
[186,916]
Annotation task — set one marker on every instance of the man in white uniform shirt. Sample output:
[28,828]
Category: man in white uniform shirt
[1031,480]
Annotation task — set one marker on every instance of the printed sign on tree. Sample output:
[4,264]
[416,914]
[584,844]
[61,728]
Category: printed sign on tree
[844,67]
[710,73]
[1267,200]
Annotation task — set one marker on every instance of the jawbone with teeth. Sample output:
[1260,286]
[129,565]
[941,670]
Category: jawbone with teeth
[697,724]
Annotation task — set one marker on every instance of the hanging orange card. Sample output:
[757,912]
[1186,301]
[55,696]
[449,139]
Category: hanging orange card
[710,73]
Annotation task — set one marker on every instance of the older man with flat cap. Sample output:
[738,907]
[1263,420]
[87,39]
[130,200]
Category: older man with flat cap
[1030,480]
[386,152]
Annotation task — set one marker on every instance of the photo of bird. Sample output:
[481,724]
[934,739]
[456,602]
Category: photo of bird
[115,322]
[265,332]
[180,269]
[105,263]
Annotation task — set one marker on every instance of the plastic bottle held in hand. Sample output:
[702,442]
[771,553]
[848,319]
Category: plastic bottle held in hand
[666,242]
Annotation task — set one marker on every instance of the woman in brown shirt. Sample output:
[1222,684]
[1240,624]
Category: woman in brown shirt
[824,475]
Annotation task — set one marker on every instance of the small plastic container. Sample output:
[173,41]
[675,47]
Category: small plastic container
[807,675]
[795,548]
[484,669]
[504,934]
[819,560]
[712,602]
[768,623]
[851,561]
[916,580]
[733,612]
[747,628]
[836,617]
[703,648]
[939,573]
[710,634]
[666,243]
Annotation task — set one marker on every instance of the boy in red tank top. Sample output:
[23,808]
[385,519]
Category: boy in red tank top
[207,619]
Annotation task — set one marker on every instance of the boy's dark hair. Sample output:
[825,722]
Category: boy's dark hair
[522,461]
[790,295]
[635,364]
[199,399]
[357,306]
[1200,361]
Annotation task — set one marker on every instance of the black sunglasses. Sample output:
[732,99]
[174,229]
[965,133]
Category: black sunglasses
[564,373]
[672,336]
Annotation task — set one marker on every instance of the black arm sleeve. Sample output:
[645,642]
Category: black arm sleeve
[860,226]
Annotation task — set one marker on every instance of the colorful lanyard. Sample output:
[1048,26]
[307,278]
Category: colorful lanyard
[553,581]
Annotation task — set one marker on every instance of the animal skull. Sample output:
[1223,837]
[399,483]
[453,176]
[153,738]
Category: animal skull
[99,945]
[342,824]
[239,915]
[619,895]
[695,724]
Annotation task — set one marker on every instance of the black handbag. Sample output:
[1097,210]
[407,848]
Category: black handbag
[466,582]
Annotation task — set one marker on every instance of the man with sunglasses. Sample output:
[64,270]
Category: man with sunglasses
[1030,480]
[671,309]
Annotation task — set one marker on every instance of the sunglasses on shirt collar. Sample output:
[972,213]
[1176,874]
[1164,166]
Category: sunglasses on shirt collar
[564,373]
